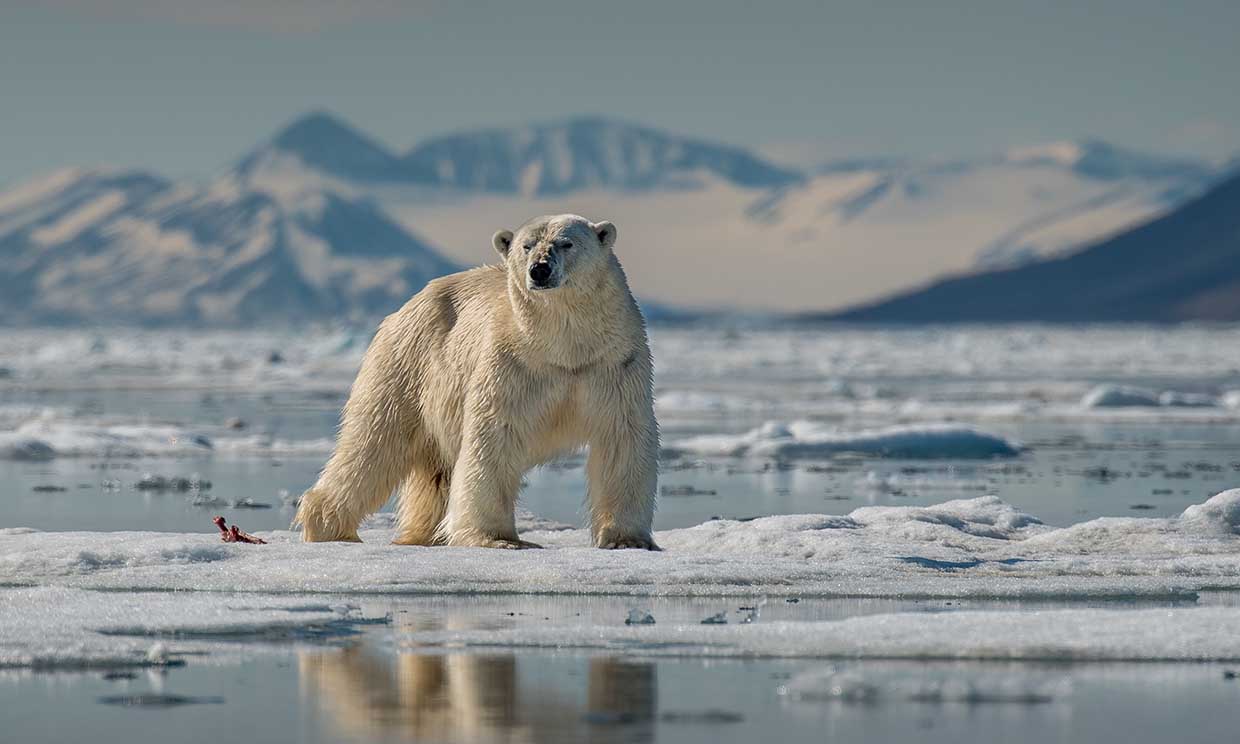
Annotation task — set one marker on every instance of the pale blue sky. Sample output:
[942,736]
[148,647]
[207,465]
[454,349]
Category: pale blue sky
[184,86]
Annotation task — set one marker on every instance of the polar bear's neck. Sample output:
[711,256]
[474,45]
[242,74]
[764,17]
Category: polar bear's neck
[579,325]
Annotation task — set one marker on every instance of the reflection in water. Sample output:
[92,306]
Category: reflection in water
[369,694]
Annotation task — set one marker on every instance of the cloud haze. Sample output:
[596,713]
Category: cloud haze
[280,16]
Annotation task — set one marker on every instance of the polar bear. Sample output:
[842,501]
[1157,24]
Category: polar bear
[487,373]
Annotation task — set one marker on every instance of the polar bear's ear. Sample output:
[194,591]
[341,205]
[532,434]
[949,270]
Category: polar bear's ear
[606,233]
[502,241]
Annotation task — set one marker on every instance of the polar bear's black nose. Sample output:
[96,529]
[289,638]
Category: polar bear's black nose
[540,272]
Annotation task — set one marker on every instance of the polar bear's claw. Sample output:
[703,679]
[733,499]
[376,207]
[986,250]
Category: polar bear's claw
[627,543]
[512,544]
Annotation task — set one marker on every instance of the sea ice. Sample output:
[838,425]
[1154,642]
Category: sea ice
[1177,399]
[1124,396]
[807,439]
[1120,396]
[51,627]
[192,592]
[979,547]
[50,437]
[1076,634]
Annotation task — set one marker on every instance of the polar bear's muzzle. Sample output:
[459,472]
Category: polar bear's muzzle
[542,276]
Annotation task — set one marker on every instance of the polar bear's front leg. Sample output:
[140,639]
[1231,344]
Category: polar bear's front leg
[482,497]
[622,469]
[372,454]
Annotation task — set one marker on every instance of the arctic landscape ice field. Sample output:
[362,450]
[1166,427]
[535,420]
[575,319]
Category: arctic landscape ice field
[868,533]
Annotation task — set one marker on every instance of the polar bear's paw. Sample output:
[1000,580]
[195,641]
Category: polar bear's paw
[634,542]
[480,541]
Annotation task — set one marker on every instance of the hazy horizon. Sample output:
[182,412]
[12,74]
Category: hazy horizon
[184,90]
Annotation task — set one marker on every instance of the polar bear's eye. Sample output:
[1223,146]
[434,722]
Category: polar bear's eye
[566,244]
[529,247]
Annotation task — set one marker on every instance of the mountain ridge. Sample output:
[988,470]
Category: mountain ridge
[550,157]
[1126,278]
[133,248]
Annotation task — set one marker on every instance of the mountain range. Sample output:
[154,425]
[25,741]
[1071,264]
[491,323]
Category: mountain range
[322,222]
[128,247]
[1182,266]
[543,159]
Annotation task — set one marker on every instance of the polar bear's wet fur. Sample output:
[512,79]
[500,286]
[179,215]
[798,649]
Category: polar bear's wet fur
[487,373]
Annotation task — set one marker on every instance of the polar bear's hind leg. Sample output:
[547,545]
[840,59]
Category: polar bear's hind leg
[423,502]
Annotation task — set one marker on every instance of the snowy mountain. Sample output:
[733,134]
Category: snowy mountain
[319,221]
[850,231]
[1015,207]
[130,247]
[1182,266]
[323,142]
[542,159]
[587,153]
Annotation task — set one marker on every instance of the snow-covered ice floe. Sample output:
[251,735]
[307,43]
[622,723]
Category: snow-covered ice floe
[52,627]
[47,438]
[80,599]
[807,439]
[979,547]
[1125,396]
[1193,634]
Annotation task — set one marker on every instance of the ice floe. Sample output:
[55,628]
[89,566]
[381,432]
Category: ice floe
[807,439]
[981,547]
[87,600]
[47,438]
[1077,634]
[1125,396]
[50,627]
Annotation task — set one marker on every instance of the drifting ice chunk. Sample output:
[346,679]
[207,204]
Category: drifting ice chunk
[15,447]
[1220,514]
[1176,399]
[639,617]
[805,439]
[1120,396]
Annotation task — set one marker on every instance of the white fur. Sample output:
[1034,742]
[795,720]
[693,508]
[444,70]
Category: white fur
[480,377]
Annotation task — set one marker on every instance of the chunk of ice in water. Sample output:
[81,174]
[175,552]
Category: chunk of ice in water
[639,617]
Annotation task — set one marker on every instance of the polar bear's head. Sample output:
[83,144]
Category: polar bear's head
[556,251]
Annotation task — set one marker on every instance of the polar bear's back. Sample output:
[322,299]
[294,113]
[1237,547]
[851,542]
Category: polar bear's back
[448,323]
